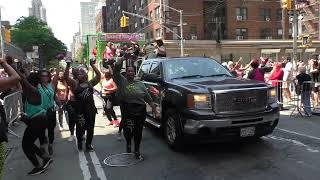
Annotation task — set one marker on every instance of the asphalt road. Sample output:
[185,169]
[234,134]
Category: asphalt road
[290,153]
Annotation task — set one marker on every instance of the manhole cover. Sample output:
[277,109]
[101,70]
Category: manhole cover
[121,160]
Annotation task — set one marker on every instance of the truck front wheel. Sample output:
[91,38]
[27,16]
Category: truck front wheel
[172,130]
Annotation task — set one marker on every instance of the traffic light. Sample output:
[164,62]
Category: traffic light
[287,4]
[124,21]
[7,36]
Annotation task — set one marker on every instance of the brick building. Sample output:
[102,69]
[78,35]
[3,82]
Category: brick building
[203,19]
[311,17]
[114,10]
[101,21]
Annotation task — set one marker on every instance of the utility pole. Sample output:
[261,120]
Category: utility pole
[295,34]
[181,36]
[1,36]
[283,23]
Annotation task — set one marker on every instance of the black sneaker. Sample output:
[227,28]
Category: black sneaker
[137,155]
[128,148]
[89,148]
[36,171]
[50,149]
[80,146]
[46,163]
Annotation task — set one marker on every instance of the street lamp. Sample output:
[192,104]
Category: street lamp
[181,26]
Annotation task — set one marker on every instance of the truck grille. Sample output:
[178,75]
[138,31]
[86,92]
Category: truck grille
[240,101]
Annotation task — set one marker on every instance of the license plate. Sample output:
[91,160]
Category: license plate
[248,131]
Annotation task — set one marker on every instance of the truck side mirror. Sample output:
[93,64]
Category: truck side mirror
[150,77]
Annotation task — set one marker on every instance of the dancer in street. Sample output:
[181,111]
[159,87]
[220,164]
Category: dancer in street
[85,109]
[46,88]
[36,121]
[134,96]
[109,88]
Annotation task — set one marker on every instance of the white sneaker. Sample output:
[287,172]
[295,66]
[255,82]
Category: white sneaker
[71,138]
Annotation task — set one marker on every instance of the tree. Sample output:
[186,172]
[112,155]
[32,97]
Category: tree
[30,31]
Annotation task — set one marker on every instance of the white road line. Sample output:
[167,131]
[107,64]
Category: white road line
[300,134]
[295,142]
[84,166]
[97,166]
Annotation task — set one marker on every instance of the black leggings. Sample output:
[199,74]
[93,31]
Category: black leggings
[52,122]
[70,107]
[35,129]
[315,77]
[88,126]
[133,123]
[133,128]
[108,107]
[279,93]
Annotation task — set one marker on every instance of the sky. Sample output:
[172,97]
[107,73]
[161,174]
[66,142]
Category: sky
[62,15]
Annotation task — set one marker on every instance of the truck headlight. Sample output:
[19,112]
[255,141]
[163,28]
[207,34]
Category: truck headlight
[272,96]
[199,101]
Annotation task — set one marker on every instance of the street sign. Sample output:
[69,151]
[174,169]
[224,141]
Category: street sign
[122,37]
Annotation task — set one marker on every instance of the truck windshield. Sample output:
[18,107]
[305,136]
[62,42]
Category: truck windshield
[194,68]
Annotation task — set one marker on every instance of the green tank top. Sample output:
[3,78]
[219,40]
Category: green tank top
[47,96]
[33,110]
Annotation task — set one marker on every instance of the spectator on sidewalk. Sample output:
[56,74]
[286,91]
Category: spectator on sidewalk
[275,78]
[287,77]
[305,89]
[258,73]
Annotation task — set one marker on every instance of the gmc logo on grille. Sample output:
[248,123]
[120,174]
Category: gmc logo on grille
[245,100]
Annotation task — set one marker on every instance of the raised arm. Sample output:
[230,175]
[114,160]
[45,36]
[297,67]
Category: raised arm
[55,79]
[71,82]
[97,78]
[12,80]
[117,77]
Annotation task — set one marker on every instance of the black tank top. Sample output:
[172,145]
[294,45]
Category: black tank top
[84,98]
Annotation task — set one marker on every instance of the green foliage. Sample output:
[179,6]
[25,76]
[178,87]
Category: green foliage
[29,31]
[2,158]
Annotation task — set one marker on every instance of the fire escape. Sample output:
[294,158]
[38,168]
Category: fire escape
[311,17]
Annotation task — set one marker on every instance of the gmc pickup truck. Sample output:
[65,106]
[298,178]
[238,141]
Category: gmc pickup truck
[200,100]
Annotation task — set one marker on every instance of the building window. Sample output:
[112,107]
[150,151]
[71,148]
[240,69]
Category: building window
[266,33]
[193,32]
[151,15]
[241,33]
[158,33]
[157,16]
[265,14]
[241,14]
[142,2]
[279,14]
[279,33]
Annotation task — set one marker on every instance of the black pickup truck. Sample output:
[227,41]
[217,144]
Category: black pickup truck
[200,100]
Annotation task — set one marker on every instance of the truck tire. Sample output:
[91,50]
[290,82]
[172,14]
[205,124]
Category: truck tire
[172,130]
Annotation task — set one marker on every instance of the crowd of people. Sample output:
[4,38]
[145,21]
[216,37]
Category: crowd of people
[282,76]
[67,93]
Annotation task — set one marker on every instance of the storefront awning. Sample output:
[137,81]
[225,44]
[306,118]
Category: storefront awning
[269,51]
[291,51]
[310,50]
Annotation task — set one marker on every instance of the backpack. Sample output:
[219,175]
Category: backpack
[258,75]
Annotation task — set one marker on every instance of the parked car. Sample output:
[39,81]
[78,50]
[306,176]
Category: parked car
[201,100]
